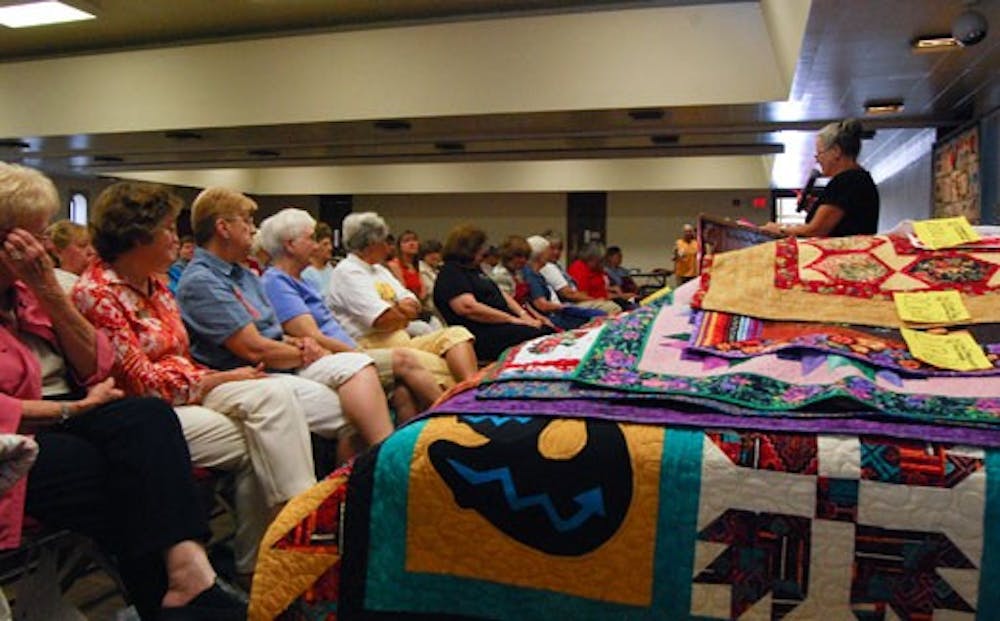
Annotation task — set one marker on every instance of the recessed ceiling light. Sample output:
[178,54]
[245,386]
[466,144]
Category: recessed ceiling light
[935,43]
[40,14]
[883,107]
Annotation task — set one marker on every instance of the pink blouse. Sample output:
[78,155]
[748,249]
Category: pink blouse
[21,379]
[152,355]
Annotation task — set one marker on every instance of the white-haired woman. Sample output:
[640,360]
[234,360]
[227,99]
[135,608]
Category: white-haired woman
[112,468]
[288,237]
[849,204]
[122,295]
[375,308]
[69,244]
[543,298]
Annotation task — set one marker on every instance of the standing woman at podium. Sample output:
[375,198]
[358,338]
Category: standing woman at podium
[849,203]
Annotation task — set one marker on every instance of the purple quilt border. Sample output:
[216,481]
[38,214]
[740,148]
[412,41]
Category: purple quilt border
[862,423]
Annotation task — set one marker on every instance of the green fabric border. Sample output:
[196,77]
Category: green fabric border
[391,588]
[989,567]
[677,528]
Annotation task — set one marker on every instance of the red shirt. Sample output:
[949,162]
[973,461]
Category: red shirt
[593,282]
[152,356]
[411,277]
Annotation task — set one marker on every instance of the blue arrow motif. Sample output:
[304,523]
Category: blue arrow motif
[498,421]
[591,501]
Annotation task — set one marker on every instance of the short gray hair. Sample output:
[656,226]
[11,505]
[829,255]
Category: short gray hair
[25,192]
[363,229]
[538,245]
[591,250]
[287,224]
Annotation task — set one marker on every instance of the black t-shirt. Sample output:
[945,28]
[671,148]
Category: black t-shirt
[854,192]
[454,280]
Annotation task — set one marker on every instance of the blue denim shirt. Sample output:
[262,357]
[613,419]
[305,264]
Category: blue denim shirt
[218,299]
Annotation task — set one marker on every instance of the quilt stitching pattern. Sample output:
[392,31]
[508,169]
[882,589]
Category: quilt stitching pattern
[761,558]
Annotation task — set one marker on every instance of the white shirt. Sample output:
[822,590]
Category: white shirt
[554,276]
[361,292]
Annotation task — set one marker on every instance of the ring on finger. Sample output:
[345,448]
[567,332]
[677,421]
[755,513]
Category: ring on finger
[16,255]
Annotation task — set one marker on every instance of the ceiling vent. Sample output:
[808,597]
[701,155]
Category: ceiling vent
[449,146]
[647,114]
[393,125]
[108,159]
[664,139]
[183,134]
[263,153]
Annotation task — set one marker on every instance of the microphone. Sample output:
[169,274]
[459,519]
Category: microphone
[803,203]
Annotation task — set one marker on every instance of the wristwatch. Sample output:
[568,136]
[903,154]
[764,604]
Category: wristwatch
[64,412]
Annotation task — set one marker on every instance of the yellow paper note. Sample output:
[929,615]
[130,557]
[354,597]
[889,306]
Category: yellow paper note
[945,232]
[931,307]
[957,351]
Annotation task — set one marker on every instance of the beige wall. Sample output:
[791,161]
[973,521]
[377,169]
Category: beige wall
[500,215]
[645,224]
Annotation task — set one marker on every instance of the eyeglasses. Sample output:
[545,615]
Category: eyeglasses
[822,151]
[247,220]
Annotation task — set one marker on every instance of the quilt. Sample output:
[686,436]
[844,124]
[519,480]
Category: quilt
[844,280]
[525,517]
[739,336]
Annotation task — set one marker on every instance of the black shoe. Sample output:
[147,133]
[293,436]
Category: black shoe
[219,602]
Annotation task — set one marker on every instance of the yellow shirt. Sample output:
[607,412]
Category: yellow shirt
[686,264]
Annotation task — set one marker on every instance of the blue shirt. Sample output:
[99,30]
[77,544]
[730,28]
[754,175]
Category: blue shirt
[538,287]
[217,300]
[292,297]
[319,279]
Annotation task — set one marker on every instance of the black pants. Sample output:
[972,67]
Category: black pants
[121,474]
[493,338]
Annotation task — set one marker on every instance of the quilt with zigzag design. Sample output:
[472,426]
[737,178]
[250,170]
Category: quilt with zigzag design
[524,517]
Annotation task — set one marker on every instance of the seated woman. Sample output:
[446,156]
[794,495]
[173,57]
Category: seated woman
[514,252]
[375,308]
[123,296]
[565,286]
[288,236]
[69,244]
[588,272]
[467,297]
[429,262]
[231,324]
[115,469]
[543,298]
[317,273]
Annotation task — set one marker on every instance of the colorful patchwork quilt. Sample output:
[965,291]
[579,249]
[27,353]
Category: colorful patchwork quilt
[524,517]
[733,462]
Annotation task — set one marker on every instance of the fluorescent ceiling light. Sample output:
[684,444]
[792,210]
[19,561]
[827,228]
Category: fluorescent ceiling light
[40,14]
[883,107]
